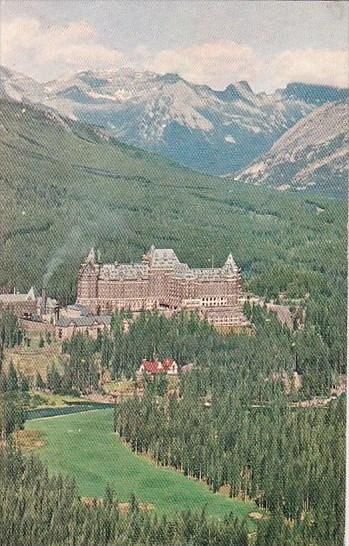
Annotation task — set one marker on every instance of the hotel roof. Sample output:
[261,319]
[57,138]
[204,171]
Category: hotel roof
[165,258]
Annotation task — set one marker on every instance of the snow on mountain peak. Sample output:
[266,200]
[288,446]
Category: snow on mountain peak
[190,123]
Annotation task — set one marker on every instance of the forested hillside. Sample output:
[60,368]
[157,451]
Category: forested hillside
[257,363]
[65,187]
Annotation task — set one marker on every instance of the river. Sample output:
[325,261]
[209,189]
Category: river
[74,407]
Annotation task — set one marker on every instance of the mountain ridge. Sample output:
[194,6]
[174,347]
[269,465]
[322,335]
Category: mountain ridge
[213,131]
[312,155]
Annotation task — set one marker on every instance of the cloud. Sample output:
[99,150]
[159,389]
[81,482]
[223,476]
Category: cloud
[220,63]
[214,63]
[319,66]
[46,51]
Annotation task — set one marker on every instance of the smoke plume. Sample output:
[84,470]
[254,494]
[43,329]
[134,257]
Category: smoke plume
[105,225]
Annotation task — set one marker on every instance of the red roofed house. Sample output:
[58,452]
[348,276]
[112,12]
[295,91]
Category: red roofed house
[153,367]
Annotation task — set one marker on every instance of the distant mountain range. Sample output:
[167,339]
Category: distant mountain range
[211,131]
[312,155]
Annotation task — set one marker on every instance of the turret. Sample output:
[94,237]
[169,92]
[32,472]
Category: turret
[91,258]
[230,267]
[87,288]
[31,294]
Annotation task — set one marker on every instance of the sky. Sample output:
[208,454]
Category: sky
[267,43]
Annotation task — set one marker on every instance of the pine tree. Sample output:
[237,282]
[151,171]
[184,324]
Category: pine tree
[12,379]
[39,382]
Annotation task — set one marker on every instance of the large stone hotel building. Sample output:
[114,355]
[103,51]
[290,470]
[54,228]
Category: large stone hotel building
[162,282]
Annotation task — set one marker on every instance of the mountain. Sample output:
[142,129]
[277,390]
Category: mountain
[314,93]
[66,186]
[208,130]
[312,155]
[17,86]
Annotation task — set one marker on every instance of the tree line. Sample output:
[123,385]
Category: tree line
[290,461]
[39,509]
[316,350]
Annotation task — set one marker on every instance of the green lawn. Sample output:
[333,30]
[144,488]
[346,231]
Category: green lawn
[84,445]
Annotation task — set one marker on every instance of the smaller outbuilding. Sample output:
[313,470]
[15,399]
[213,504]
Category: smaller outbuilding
[21,305]
[67,327]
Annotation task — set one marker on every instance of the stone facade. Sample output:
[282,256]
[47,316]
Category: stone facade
[36,326]
[161,281]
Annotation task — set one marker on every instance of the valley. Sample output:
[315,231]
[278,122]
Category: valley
[86,189]
[173,273]
[202,449]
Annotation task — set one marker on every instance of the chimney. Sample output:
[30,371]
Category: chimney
[56,314]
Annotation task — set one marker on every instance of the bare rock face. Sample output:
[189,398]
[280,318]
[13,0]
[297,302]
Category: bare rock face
[312,155]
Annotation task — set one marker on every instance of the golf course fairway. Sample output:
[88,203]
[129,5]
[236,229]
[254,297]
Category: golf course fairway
[84,446]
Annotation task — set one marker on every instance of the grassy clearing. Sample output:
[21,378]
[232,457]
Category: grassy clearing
[29,440]
[83,445]
[125,388]
[33,359]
